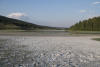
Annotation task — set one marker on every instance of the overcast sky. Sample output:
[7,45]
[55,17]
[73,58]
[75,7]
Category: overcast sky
[60,13]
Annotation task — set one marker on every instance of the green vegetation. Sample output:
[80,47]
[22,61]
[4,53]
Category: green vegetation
[92,24]
[97,39]
[14,24]
[85,32]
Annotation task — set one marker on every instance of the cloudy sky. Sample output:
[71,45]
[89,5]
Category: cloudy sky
[60,13]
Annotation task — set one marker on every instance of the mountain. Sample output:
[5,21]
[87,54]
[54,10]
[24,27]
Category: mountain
[9,23]
[92,24]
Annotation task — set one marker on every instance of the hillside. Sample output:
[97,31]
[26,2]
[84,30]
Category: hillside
[9,23]
[92,24]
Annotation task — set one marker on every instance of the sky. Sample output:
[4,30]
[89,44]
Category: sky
[56,13]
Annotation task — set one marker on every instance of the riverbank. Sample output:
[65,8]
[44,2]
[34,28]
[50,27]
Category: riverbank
[85,32]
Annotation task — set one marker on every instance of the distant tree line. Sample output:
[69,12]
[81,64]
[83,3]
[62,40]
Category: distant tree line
[92,24]
[9,23]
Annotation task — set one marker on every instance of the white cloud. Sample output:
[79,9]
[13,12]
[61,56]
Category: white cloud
[16,15]
[95,3]
[83,11]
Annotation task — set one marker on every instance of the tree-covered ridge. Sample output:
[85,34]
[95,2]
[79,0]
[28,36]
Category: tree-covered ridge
[9,23]
[92,24]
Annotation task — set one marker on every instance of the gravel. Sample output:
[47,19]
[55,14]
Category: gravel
[49,51]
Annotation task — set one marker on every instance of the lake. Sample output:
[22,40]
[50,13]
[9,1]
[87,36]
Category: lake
[35,33]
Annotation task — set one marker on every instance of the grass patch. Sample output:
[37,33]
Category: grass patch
[85,32]
[97,39]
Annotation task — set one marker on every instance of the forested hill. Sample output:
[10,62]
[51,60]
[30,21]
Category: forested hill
[9,23]
[92,24]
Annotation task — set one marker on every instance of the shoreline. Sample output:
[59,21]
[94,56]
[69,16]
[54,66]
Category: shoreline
[46,33]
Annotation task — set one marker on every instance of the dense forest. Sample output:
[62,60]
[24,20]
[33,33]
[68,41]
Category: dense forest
[92,24]
[9,23]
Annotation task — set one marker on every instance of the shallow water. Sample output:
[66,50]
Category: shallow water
[49,51]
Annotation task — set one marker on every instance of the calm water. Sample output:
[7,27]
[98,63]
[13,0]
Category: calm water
[37,33]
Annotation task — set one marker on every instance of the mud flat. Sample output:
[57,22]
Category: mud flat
[49,51]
